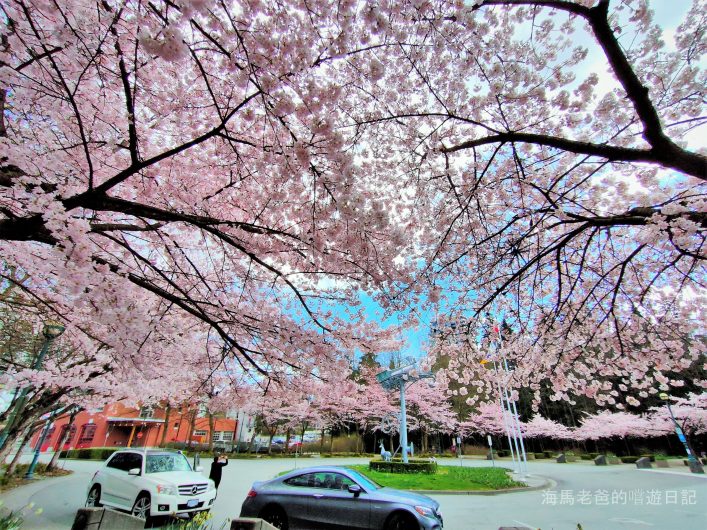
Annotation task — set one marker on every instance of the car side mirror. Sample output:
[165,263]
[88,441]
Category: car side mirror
[134,471]
[355,489]
[199,469]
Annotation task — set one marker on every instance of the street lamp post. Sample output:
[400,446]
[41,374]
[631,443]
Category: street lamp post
[398,378]
[51,331]
[37,450]
[692,462]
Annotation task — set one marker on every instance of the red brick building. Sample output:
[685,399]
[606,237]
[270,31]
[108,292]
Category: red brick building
[117,425]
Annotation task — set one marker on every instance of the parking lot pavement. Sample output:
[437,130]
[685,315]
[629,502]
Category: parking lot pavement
[599,498]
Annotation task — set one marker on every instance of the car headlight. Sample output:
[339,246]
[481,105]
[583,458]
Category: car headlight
[166,489]
[212,485]
[424,510]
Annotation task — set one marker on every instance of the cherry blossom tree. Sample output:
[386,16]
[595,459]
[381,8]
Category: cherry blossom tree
[550,148]
[539,427]
[190,186]
[607,424]
[173,194]
[487,419]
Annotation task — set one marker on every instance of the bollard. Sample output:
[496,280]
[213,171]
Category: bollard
[251,523]
[644,463]
[102,519]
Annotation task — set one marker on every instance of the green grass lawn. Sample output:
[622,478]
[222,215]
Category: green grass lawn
[446,478]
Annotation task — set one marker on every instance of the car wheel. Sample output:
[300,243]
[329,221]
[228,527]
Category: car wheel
[94,497]
[142,506]
[401,521]
[276,516]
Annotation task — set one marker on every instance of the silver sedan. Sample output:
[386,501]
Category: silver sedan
[337,497]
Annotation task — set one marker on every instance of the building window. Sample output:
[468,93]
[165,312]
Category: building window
[72,432]
[88,431]
[223,436]
[200,433]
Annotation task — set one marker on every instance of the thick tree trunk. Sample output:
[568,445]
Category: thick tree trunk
[301,439]
[252,441]
[16,459]
[9,444]
[168,409]
[192,424]
[57,451]
[211,432]
[272,435]
[288,434]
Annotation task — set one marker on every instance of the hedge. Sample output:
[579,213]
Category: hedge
[398,466]
[93,453]
[629,459]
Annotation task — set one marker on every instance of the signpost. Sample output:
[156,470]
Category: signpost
[490,441]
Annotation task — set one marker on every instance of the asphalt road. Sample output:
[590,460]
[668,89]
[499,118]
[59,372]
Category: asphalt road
[598,498]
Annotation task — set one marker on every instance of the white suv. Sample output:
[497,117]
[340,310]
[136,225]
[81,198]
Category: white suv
[151,483]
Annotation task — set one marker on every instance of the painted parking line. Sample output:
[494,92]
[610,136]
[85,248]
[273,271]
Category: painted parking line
[521,523]
[627,520]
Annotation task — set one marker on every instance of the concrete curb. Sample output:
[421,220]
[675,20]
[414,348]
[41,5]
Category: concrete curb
[546,483]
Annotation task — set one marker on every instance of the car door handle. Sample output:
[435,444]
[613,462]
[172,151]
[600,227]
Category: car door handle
[317,495]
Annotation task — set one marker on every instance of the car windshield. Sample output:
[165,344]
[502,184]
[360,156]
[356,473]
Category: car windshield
[166,462]
[363,481]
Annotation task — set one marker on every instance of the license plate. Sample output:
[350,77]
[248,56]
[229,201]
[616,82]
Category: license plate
[192,503]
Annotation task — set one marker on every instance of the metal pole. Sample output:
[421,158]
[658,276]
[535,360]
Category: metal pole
[513,427]
[515,410]
[694,464]
[30,471]
[488,437]
[517,425]
[403,423]
[503,412]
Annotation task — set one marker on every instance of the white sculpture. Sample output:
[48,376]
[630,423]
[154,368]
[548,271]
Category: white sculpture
[385,455]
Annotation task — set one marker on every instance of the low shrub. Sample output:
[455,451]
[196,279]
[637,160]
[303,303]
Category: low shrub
[21,469]
[92,453]
[589,456]
[629,459]
[398,466]
[540,455]
[650,456]
[548,454]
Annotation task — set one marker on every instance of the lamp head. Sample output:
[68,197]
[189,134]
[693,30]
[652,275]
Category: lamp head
[664,396]
[52,329]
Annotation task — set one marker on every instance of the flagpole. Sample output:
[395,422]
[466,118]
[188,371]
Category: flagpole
[524,461]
